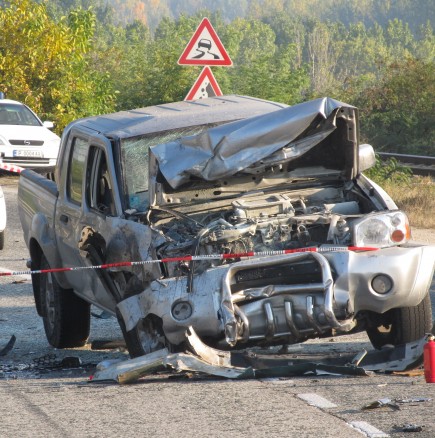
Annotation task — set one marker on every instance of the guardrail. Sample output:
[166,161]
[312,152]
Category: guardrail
[419,164]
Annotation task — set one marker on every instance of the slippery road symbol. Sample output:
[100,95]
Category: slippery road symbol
[206,44]
[205,48]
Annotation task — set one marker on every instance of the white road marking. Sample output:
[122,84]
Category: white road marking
[368,429]
[361,426]
[317,400]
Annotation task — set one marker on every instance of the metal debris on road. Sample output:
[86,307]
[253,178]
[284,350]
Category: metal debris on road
[413,400]
[51,362]
[130,370]
[394,403]
[409,428]
[203,359]
[382,403]
[43,364]
[8,347]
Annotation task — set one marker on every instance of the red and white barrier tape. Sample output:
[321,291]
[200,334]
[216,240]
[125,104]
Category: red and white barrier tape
[189,258]
[11,167]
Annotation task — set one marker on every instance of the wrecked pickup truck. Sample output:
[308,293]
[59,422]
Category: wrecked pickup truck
[246,220]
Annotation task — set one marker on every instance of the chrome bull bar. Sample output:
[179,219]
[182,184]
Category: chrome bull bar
[260,299]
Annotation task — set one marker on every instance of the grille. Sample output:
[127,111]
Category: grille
[26,160]
[291,273]
[29,142]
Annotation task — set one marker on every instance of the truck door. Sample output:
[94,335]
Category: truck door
[87,199]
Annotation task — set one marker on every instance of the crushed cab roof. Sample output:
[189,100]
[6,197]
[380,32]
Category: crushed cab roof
[175,115]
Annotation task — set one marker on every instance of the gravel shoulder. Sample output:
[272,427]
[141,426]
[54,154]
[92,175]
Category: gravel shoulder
[423,235]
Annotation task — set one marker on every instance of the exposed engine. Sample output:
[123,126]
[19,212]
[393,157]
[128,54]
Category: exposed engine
[262,223]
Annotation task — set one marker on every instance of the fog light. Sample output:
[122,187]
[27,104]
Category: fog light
[382,284]
[397,236]
[182,310]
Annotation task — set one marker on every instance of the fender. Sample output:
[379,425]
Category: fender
[43,234]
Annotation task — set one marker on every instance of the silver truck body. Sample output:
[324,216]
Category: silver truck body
[309,246]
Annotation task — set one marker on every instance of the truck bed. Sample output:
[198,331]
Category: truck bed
[37,196]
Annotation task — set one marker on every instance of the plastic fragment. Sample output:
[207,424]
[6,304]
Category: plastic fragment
[8,347]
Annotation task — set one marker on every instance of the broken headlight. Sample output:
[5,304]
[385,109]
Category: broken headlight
[382,230]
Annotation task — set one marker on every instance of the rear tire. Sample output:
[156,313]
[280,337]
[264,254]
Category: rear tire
[66,316]
[402,325]
[2,239]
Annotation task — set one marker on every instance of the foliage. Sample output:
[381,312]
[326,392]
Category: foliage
[399,110]
[368,12]
[390,171]
[146,70]
[416,197]
[73,58]
[261,68]
[44,63]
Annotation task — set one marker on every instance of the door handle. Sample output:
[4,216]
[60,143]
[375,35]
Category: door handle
[64,218]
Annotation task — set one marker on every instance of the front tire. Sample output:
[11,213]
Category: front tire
[402,325]
[2,239]
[66,316]
[145,338]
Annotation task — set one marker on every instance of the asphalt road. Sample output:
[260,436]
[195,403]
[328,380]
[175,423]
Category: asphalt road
[39,400]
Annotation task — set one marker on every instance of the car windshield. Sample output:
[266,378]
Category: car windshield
[15,114]
[134,156]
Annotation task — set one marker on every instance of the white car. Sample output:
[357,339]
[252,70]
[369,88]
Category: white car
[25,140]
[2,218]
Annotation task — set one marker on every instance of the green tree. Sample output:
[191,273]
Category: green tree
[425,49]
[398,112]
[44,63]
[261,67]
[323,59]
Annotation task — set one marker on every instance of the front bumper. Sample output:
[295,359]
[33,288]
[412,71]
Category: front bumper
[30,162]
[258,299]
[410,267]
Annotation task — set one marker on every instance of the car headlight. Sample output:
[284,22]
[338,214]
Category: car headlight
[382,230]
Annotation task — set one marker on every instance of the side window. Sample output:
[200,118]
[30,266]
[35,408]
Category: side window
[100,188]
[76,170]
[135,153]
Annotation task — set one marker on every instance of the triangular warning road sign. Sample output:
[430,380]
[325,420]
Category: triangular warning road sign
[205,48]
[205,86]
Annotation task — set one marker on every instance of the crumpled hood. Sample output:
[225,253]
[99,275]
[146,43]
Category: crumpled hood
[223,151]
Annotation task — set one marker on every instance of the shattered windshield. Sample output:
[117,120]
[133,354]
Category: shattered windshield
[135,161]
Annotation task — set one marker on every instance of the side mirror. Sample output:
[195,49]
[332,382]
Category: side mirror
[366,157]
[48,125]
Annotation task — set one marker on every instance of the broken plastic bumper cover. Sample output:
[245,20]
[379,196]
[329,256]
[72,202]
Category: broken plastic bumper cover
[234,365]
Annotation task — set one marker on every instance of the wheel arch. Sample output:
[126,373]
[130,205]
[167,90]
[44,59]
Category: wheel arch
[36,252]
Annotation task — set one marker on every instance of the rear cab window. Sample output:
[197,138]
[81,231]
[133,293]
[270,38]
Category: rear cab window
[76,170]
